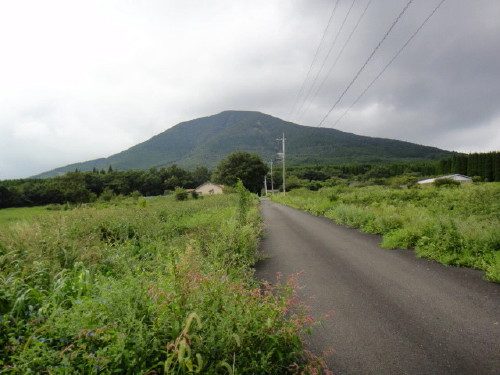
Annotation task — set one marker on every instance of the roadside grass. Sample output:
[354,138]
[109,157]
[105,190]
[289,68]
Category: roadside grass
[456,226]
[135,287]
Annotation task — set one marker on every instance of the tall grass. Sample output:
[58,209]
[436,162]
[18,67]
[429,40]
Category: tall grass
[156,287]
[456,226]
[12,215]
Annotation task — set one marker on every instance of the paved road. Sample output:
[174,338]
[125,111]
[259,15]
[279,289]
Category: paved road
[394,313]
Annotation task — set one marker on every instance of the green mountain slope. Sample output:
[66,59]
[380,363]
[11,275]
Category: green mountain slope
[207,140]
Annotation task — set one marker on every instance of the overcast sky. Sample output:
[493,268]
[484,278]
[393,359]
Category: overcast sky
[86,79]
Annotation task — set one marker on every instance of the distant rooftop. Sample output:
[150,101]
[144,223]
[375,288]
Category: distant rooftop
[457,177]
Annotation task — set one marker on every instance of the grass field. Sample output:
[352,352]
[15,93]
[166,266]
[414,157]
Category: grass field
[11,215]
[452,225]
[144,287]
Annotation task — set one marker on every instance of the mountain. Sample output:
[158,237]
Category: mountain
[207,140]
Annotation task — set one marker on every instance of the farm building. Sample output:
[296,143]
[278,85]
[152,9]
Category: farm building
[457,177]
[209,188]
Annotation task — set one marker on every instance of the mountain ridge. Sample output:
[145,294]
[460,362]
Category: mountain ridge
[206,140]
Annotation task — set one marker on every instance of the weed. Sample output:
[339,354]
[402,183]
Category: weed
[165,287]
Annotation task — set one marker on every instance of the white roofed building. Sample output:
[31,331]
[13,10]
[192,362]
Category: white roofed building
[209,188]
[457,177]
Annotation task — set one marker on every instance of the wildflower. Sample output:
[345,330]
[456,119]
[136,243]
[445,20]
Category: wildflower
[309,319]
[42,340]
[294,367]
[91,333]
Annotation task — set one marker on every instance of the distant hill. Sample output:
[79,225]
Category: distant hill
[207,140]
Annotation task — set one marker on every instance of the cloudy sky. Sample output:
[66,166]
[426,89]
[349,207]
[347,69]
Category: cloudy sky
[82,79]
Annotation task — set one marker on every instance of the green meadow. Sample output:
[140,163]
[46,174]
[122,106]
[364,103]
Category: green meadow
[455,225]
[144,286]
[12,215]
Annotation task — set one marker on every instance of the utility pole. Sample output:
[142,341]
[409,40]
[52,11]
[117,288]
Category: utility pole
[283,159]
[265,185]
[272,181]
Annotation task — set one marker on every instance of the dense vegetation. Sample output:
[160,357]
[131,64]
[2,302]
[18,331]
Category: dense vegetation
[485,165]
[84,187]
[482,167]
[206,141]
[455,225]
[243,166]
[146,286]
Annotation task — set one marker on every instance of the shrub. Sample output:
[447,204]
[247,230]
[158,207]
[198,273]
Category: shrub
[107,195]
[180,194]
[403,181]
[446,182]
[135,194]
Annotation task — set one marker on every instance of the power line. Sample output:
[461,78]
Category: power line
[325,59]
[314,59]
[390,62]
[366,62]
[339,54]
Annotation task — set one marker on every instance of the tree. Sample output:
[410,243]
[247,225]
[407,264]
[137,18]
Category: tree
[249,168]
[200,175]
[5,197]
[312,174]
[151,184]
[173,176]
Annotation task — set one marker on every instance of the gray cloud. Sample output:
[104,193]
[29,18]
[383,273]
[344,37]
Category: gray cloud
[86,79]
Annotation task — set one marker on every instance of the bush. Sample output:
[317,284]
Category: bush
[135,194]
[446,182]
[180,194]
[403,182]
[107,195]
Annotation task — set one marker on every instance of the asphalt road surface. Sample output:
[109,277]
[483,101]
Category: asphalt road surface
[393,313]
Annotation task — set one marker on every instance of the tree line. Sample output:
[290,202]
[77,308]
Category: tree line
[482,166]
[83,187]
